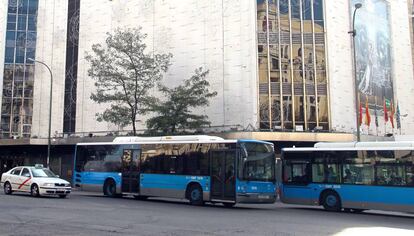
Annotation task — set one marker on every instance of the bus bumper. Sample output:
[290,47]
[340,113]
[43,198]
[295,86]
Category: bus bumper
[255,198]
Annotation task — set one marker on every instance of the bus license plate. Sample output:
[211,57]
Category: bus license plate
[264,196]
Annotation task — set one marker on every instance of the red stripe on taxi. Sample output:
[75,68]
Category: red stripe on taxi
[21,185]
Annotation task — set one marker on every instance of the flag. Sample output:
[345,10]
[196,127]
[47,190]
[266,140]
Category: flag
[376,116]
[392,112]
[360,114]
[398,117]
[385,112]
[367,115]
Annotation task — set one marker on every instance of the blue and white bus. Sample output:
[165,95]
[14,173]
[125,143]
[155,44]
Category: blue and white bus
[350,176]
[198,168]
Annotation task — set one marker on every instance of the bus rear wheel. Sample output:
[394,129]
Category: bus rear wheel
[109,188]
[331,201]
[228,204]
[139,197]
[195,195]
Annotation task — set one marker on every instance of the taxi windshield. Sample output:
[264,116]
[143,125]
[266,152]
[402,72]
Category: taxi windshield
[42,172]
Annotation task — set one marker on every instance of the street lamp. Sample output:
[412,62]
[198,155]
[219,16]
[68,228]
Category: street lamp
[50,108]
[353,34]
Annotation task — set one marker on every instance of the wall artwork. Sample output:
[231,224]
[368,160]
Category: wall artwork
[373,52]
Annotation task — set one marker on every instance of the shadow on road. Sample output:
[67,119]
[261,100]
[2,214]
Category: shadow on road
[365,213]
[179,202]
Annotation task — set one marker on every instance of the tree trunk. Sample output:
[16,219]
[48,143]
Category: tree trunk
[134,129]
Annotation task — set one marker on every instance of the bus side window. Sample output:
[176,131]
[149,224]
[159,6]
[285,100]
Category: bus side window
[297,173]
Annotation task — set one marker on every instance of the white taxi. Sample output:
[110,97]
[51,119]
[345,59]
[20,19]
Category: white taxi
[35,180]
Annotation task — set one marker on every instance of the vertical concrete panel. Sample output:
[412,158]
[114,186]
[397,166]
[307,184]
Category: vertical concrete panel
[197,35]
[340,70]
[402,65]
[51,49]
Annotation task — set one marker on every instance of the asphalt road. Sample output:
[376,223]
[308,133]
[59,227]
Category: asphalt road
[93,214]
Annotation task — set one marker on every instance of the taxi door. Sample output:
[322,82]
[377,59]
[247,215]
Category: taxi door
[14,178]
[25,180]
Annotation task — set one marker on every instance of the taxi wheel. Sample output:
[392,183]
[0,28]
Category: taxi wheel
[7,188]
[34,190]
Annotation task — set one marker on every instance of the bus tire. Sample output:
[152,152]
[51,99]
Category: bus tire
[109,188]
[195,194]
[353,210]
[228,204]
[139,197]
[331,201]
[7,188]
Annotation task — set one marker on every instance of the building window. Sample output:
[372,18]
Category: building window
[17,98]
[298,96]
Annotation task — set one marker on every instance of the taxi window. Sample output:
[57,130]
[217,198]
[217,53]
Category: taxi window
[25,172]
[16,171]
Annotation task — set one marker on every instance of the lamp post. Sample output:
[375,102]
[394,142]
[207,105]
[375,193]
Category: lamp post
[50,108]
[353,34]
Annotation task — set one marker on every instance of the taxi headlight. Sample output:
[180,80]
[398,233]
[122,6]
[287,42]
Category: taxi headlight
[67,185]
[48,184]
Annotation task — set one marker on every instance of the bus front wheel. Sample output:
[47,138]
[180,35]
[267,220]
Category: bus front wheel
[195,195]
[331,201]
[109,188]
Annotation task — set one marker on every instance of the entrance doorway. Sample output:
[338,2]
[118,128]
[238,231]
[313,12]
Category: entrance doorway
[130,170]
[223,175]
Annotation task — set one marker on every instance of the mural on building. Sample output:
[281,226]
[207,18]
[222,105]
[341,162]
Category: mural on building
[373,52]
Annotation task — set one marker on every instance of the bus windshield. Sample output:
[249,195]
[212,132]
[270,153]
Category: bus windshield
[258,162]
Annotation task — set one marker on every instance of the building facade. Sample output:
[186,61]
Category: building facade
[277,65]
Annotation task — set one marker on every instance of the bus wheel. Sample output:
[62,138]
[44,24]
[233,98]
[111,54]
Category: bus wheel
[195,195]
[331,201]
[139,197]
[228,204]
[357,210]
[109,188]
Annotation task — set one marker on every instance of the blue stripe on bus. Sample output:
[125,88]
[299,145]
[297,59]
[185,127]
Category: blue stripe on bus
[167,181]
[97,177]
[353,193]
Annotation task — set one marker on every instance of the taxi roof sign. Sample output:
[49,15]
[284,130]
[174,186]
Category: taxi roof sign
[39,166]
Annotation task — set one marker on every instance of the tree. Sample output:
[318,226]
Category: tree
[174,112]
[124,73]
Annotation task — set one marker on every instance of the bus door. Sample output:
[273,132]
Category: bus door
[222,175]
[130,170]
[296,182]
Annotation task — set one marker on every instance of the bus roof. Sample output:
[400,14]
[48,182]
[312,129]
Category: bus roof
[364,144]
[172,139]
[355,146]
[156,142]
[167,138]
